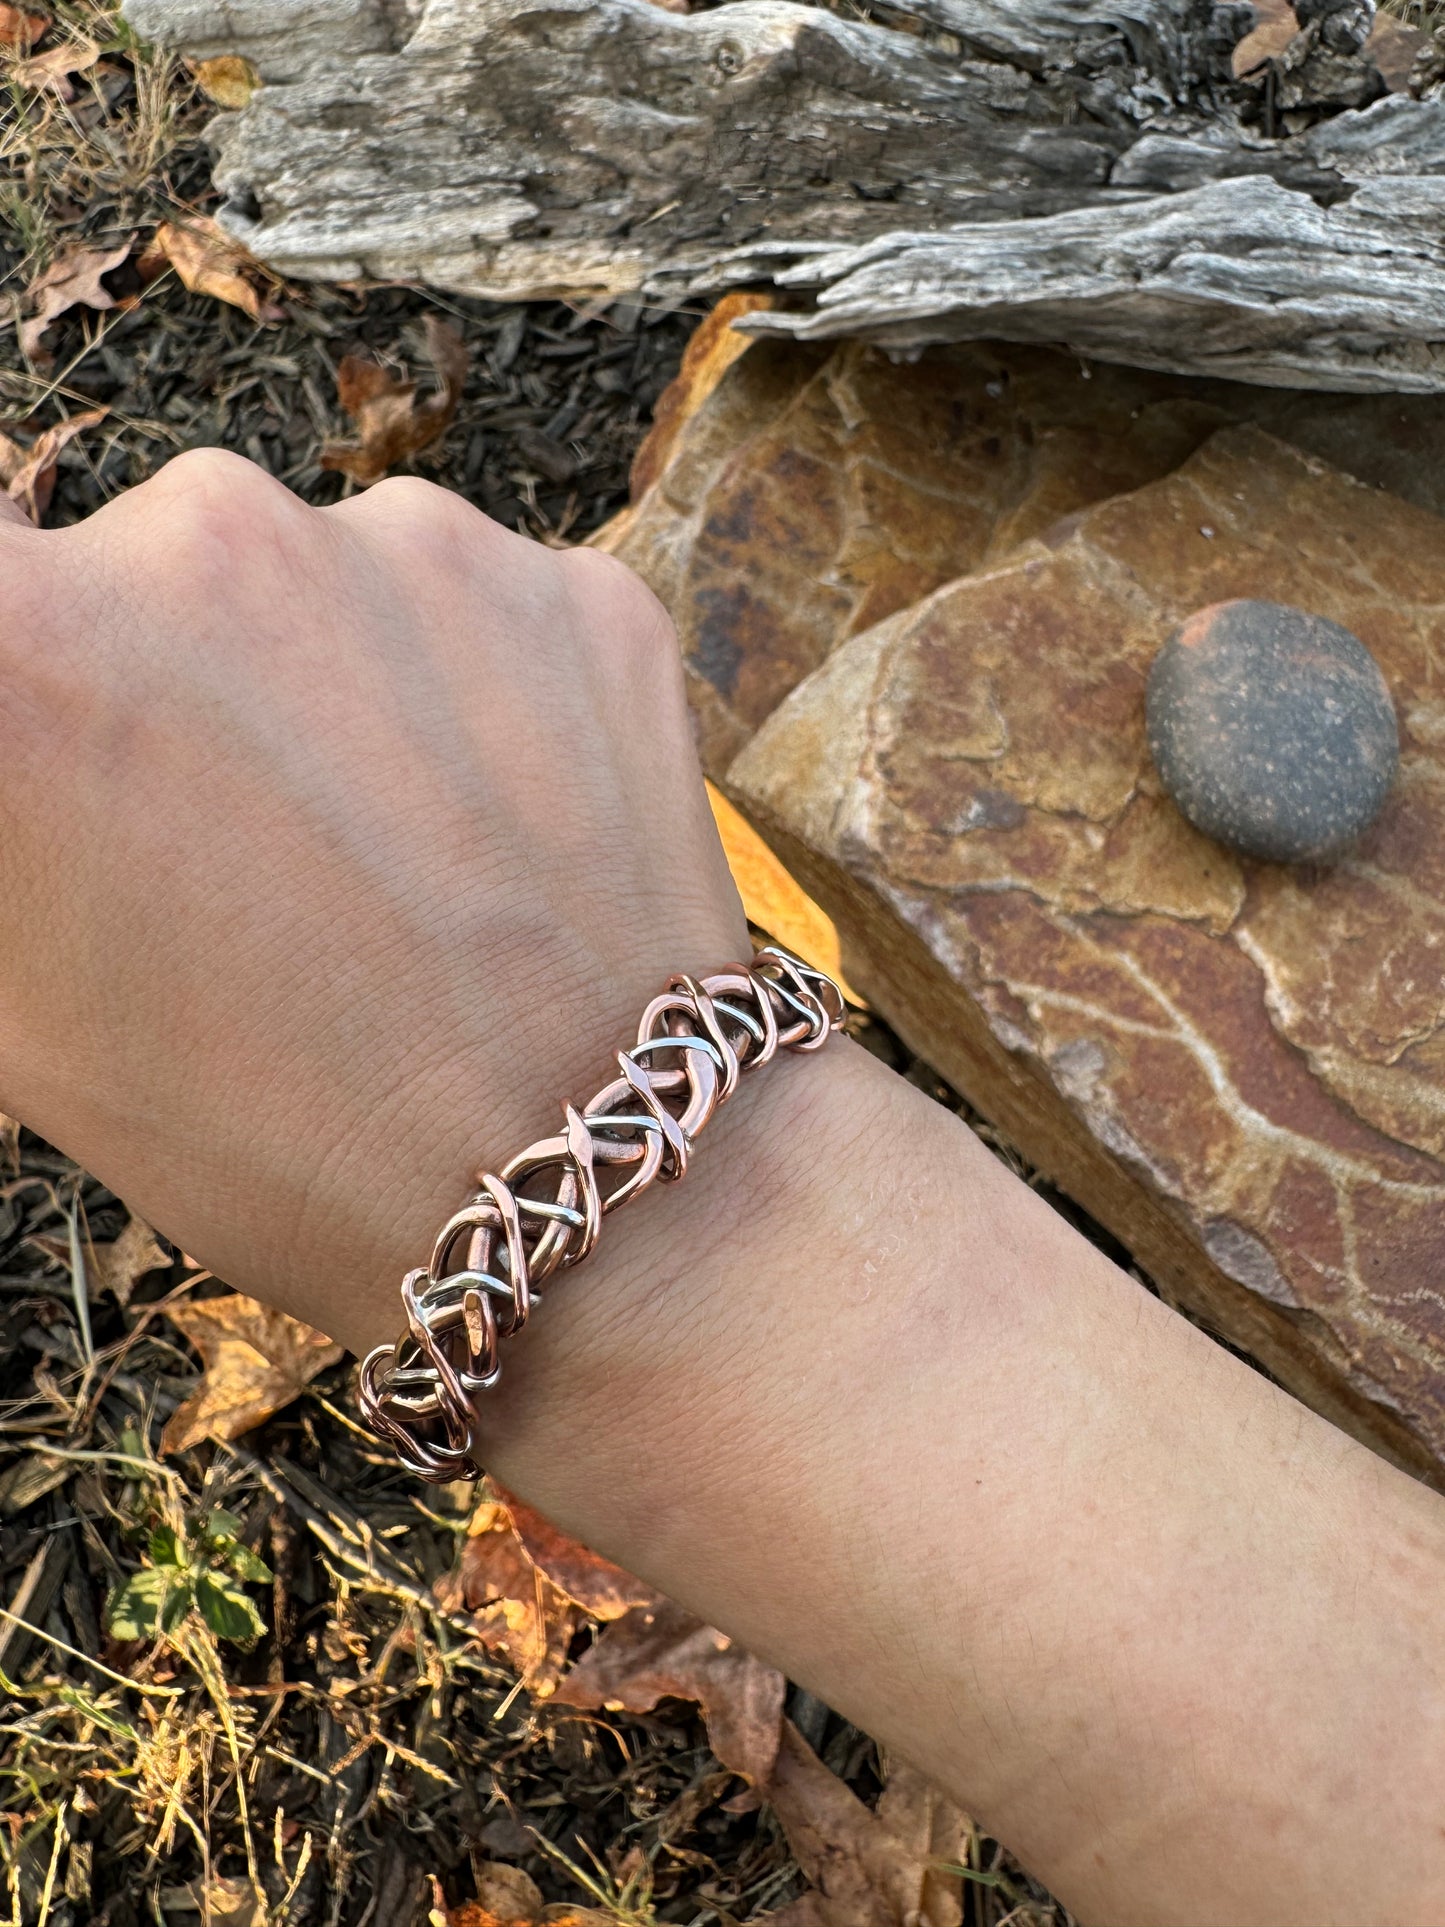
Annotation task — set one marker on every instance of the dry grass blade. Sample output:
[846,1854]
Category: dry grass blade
[392,424]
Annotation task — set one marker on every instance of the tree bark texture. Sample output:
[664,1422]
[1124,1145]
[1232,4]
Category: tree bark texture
[1091,172]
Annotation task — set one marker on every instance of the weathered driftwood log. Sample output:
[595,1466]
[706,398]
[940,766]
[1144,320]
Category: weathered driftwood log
[1085,171]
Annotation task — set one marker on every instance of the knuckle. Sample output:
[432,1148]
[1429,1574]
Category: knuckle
[608,591]
[203,474]
[214,510]
[437,526]
[407,494]
[417,502]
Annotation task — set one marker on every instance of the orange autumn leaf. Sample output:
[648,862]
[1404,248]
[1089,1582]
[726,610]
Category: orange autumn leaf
[773,898]
[889,1867]
[507,1897]
[208,261]
[20,27]
[392,425]
[660,1652]
[27,475]
[529,1587]
[73,280]
[257,1360]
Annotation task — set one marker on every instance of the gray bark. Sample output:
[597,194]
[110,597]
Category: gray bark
[1084,171]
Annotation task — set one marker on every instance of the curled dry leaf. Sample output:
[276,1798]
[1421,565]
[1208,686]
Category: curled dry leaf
[73,280]
[116,1267]
[507,1897]
[391,423]
[208,261]
[257,1360]
[27,475]
[889,1868]
[529,1587]
[10,1141]
[20,27]
[658,1652]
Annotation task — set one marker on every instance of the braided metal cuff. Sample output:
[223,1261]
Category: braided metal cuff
[544,1210]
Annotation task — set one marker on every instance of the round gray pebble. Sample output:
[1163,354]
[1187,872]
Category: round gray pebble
[1272,730]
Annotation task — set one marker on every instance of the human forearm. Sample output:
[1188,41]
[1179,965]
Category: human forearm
[858,1396]
[336,847]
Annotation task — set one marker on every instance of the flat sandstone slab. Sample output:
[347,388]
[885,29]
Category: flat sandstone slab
[816,490]
[1238,1067]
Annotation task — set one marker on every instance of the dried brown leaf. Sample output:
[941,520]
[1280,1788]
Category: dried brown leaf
[19,27]
[53,68]
[392,424]
[229,79]
[661,1652]
[27,475]
[225,1897]
[209,261]
[887,1868]
[119,1266]
[529,1587]
[73,280]
[507,1897]
[257,1360]
[602,1590]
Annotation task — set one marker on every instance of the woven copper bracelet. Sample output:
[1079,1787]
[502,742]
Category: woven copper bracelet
[544,1210]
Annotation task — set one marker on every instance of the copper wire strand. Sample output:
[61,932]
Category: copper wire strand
[694,1043]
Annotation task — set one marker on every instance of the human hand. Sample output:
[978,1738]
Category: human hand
[337,845]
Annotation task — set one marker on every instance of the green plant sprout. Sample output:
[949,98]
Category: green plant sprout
[206,1569]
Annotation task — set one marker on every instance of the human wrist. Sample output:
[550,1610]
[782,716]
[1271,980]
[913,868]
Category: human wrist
[540,1212]
[723,1285]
